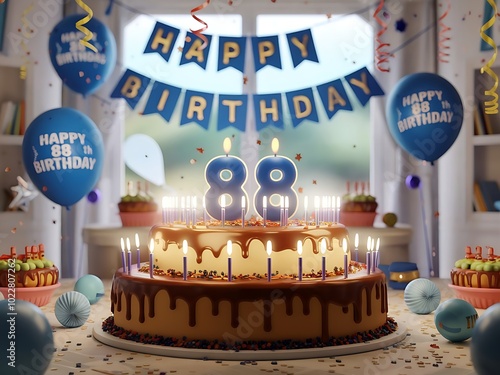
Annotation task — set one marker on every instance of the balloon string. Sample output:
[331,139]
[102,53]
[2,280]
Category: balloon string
[381,54]
[23,70]
[490,106]
[426,233]
[443,39]
[199,32]
[110,7]
[80,26]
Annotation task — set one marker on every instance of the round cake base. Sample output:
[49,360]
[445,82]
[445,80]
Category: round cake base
[249,355]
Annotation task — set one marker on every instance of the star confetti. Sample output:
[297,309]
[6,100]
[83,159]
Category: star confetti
[401,25]
[245,80]
[23,193]
[298,157]
[259,142]
[315,182]
[200,150]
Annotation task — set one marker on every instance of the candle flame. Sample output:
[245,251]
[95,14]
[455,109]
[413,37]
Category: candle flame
[275,145]
[378,244]
[287,203]
[229,247]
[137,240]
[373,244]
[356,240]
[344,245]
[264,202]
[269,248]
[223,201]
[299,247]
[338,202]
[122,243]
[151,245]
[323,246]
[128,244]
[369,243]
[226,145]
[193,202]
[164,202]
[243,202]
[316,201]
[306,201]
[185,247]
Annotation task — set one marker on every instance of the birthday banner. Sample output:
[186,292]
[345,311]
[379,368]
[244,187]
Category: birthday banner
[232,109]
[266,49]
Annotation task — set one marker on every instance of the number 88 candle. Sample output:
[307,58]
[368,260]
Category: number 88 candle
[275,176]
[226,176]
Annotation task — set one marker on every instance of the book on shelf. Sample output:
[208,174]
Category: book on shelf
[12,118]
[478,121]
[486,123]
[479,203]
[490,193]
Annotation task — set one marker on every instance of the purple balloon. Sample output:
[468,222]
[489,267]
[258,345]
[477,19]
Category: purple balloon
[94,196]
[412,181]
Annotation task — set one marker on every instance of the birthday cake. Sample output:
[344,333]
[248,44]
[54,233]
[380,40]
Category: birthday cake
[139,208]
[358,209]
[475,271]
[227,282]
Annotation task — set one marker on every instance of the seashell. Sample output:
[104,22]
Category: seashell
[72,309]
[422,296]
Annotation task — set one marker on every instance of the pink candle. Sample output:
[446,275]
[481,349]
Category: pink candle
[299,252]
[346,267]
[137,246]
[151,249]
[323,259]
[184,259]
[229,260]
[269,250]
[123,254]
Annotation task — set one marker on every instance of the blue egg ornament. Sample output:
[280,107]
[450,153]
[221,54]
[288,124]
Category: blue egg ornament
[484,342]
[422,296]
[91,287]
[455,319]
[26,339]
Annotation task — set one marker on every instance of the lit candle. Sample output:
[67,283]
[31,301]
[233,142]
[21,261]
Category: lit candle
[164,208]
[229,249]
[223,209]
[377,247]
[264,209]
[331,201]
[188,211]
[137,246]
[184,259]
[269,250]
[282,210]
[299,252]
[356,244]
[123,254]
[338,208]
[151,249]
[225,175]
[275,176]
[204,212]
[323,258]
[374,255]
[287,205]
[243,205]
[368,254]
[129,259]
[306,202]
[316,209]
[193,207]
[346,267]
[183,210]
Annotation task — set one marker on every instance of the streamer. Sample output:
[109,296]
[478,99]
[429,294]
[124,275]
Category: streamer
[199,32]
[490,106]
[381,54]
[443,39]
[23,70]
[80,26]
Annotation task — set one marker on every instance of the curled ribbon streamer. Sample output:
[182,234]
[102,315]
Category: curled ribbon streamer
[86,32]
[443,39]
[199,32]
[490,106]
[23,70]
[381,54]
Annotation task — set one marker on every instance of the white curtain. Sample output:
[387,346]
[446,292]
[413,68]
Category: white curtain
[414,50]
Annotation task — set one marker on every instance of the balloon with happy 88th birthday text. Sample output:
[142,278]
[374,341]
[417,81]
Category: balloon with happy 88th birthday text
[63,154]
[424,115]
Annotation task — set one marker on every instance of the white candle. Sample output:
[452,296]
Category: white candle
[323,258]
[346,267]
[129,259]
[269,250]
[137,246]
[229,249]
[306,202]
[164,208]
[316,209]
[243,206]
[122,242]
[356,244]
[223,208]
[151,249]
[184,259]
[264,209]
[287,204]
[299,252]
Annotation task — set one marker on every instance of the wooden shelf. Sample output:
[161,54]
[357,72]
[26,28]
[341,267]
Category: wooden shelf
[486,140]
[11,140]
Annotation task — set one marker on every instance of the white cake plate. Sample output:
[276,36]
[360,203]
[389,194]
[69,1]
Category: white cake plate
[249,355]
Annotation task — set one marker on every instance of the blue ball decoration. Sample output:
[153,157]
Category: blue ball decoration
[72,309]
[91,287]
[455,319]
[412,181]
[26,339]
[422,296]
[484,342]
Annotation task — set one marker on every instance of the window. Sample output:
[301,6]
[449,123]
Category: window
[333,151]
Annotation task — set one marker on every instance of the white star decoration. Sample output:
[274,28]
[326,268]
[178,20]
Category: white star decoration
[23,194]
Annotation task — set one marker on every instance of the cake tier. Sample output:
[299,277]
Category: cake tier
[207,248]
[138,206]
[359,206]
[284,309]
[475,279]
[32,278]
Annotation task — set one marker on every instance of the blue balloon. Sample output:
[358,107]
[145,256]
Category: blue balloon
[484,343]
[26,339]
[424,115]
[63,154]
[91,287]
[455,319]
[80,68]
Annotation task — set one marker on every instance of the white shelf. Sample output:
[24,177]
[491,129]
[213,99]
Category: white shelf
[486,140]
[9,61]
[11,140]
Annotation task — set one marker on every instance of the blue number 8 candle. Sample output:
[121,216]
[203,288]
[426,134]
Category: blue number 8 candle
[225,176]
[275,176]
